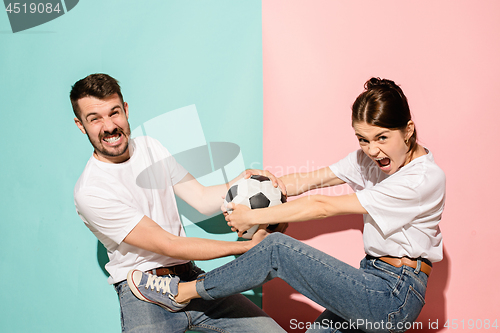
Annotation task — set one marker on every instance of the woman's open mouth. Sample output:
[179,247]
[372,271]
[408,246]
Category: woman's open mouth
[383,162]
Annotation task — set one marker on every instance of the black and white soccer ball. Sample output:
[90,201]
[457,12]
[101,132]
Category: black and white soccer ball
[254,192]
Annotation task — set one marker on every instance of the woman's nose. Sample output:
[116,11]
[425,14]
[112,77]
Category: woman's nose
[373,150]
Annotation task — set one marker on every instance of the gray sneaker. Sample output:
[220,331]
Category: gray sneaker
[159,290]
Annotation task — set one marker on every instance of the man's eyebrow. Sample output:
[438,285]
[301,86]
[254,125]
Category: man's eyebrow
[112,109]
[90,114]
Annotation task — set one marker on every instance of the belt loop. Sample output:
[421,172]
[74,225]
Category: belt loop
[419,266]
[153,271]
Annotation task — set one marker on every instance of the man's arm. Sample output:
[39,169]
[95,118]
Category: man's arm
[208,199]
[148,235]
[205,199]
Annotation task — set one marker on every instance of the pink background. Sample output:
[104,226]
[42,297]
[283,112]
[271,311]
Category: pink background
[446,57]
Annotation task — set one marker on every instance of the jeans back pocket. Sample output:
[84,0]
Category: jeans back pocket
[402,319]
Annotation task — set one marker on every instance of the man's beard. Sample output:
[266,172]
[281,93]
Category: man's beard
[111,152]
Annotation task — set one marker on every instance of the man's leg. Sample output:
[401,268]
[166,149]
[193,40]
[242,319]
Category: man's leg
[142,317]
[329,322]
[230,314]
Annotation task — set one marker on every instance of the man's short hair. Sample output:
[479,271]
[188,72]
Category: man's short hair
[95,85]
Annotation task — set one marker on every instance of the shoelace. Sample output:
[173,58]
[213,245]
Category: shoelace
[161,284]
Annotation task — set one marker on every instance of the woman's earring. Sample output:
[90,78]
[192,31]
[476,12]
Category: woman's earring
[406,142]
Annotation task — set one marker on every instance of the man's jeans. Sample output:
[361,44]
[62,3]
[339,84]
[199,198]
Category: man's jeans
[231,314]
[377,297]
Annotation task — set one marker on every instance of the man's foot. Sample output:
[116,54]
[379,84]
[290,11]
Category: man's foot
[160,290]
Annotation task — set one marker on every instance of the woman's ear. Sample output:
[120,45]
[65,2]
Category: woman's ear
[410,129]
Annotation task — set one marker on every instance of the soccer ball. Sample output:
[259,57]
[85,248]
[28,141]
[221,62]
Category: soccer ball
[254,192]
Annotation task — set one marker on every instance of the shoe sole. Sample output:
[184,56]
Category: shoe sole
[137,293]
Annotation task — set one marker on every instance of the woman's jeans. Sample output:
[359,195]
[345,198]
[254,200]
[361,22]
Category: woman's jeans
[377,297]
[235,314]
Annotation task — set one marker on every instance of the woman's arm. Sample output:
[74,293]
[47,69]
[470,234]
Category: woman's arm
[242,219]
[298,183]
[303,209]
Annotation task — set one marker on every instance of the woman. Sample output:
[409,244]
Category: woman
[400,191]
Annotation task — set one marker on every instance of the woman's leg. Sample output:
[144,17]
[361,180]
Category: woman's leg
[324,279]
[370,296]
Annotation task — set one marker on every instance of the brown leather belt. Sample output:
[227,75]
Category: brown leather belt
[172,270]
[398,262]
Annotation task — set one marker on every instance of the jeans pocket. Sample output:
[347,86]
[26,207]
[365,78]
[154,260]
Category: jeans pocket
[393,276]
[402,319]
[121,289]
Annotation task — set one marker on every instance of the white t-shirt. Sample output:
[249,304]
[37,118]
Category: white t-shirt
[404,209]
[112,198]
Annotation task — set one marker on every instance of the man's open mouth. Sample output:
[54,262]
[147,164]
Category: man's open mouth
[112,138]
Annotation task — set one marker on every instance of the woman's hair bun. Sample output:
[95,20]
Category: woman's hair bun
[376,82]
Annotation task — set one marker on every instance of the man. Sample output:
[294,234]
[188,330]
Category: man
[140,225]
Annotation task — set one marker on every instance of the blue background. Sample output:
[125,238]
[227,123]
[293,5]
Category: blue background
[166,55]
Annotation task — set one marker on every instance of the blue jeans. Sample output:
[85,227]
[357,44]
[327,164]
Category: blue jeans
[230,314]
[377,297]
